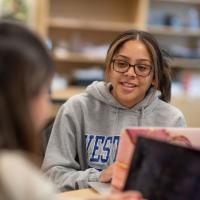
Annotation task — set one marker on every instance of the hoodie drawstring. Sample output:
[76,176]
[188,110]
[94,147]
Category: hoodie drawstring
[115,125]
[141,117]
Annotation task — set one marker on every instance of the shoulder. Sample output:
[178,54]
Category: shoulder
[8,160]
[20,178]
[79,102]
[171,113]
[168,108]
[74,106]
[79,98]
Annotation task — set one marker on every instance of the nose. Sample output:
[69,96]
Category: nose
[131,72]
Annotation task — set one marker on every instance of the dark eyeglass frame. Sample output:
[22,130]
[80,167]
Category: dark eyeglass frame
[134,67]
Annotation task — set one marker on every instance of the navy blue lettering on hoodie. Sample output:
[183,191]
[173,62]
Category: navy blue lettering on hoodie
[100,149]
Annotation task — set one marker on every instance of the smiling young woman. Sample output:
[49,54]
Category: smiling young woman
[86,132]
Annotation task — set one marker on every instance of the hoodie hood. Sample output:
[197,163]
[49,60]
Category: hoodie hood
[101,92]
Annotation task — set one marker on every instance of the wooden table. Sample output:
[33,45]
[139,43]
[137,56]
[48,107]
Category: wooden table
[83,193]
[63,95]
[60,96]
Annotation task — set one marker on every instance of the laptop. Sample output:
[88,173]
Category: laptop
[189,137]
[183,136]
[160,170]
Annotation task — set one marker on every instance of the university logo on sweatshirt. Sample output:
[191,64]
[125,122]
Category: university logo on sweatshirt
[101,150]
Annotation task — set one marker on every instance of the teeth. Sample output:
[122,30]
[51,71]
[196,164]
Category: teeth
[128,84]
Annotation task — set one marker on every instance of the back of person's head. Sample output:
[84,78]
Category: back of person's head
[25,67]
[159,58]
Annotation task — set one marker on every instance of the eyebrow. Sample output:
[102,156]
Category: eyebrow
[138,60]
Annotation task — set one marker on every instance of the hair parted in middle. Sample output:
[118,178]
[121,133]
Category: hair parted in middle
[159,57]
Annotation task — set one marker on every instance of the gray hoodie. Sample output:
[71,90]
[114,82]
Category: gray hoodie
[86,131]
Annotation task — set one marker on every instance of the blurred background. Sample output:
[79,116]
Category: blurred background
[79,32]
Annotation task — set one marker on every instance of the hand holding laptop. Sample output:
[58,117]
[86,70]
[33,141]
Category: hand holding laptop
[126,149]
[106,174]
[147,171]
[182,136]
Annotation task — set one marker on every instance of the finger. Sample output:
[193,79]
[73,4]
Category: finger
[105,179]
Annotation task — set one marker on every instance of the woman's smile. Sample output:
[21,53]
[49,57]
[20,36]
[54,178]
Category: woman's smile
[128,86]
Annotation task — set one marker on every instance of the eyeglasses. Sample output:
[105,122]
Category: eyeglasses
[139,69]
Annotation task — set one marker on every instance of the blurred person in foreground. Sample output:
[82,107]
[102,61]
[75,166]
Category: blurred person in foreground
[26,71]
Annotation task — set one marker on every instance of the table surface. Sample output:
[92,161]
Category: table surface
[83,193]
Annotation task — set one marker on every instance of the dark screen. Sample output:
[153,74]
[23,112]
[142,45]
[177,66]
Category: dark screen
[162,171]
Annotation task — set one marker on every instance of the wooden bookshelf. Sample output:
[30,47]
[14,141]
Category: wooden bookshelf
[195,2]
[98,22]
[171,31]
[66,23]
[79,58]
[63,95]
[186,63]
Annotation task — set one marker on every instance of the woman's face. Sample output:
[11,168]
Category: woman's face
[129,88]
[41,108]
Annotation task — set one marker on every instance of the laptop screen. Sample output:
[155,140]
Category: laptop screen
[160,171]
